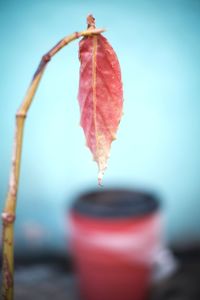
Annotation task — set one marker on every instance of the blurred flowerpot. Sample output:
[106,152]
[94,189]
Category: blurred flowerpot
[114,238]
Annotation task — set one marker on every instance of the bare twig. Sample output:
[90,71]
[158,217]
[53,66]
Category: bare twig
[8,216]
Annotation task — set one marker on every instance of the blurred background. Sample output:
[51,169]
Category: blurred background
[158,145]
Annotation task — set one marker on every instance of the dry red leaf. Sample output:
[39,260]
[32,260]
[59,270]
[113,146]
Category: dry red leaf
[100,96]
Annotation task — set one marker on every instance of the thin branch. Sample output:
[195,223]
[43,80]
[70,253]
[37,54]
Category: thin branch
[8,215]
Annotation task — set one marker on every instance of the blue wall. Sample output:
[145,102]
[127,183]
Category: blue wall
[158,146]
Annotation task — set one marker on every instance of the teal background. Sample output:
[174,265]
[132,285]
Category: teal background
[158,145]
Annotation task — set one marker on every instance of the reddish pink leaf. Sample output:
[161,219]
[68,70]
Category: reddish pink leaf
[100,96]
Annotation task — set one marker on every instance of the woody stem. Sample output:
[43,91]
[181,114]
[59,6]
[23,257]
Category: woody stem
[8,215]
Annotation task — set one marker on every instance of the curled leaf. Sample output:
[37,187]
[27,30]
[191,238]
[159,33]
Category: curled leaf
[100,96]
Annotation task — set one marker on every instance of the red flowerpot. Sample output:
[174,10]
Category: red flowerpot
[115,235]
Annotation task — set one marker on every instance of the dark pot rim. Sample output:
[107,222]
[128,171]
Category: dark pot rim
[115,203]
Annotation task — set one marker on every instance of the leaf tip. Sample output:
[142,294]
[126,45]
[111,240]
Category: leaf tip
[100,177]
